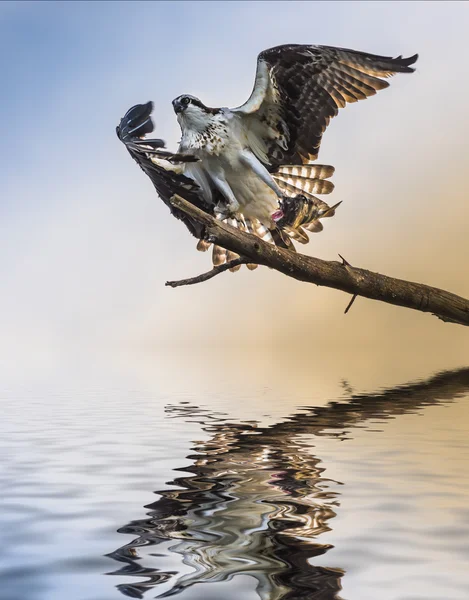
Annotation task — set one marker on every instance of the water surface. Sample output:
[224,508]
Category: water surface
[323,492]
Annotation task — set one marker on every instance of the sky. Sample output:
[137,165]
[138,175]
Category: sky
[86,245]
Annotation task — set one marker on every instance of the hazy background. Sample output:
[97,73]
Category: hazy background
[94,349]
[86,245]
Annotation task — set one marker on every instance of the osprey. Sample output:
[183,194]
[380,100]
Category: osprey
[252,164]
[165,169]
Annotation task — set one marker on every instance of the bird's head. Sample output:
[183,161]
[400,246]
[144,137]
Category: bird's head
[192,113]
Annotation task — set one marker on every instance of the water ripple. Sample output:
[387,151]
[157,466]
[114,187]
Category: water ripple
[254,501]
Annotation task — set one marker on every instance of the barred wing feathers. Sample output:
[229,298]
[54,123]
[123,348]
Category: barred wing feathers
[299,88]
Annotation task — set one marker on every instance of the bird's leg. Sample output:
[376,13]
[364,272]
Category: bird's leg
[250,160]
[232,206]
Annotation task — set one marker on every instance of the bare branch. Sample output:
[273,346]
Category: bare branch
[339,275]
[206,276]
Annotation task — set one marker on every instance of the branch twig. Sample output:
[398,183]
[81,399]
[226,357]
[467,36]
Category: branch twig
[339,275]
[206,276]
[349,305]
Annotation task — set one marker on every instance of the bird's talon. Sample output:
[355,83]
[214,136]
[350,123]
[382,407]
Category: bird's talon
[277,215]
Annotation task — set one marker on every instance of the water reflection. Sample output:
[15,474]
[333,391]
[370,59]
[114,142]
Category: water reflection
[256,501]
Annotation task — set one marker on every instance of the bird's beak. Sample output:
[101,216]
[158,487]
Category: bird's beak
[178,106]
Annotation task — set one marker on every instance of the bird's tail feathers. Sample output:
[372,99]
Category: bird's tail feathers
[309,171]
[304,179]
[302,210]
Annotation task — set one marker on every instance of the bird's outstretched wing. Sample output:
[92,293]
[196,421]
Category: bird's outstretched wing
[163,168]
[299,88]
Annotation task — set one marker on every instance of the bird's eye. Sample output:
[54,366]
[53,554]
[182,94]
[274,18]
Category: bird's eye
[185,100]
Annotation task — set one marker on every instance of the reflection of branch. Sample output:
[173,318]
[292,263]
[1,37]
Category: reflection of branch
[389,403]
[341,276]
[254,499]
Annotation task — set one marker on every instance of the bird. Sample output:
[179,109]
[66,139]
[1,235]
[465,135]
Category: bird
[254,164]
[165,169]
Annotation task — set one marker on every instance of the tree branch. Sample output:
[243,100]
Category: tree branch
[206,276]
[339,275]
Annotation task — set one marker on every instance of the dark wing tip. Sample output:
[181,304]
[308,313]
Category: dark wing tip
[147,144]
[406,62]
[136,122]
[386,64]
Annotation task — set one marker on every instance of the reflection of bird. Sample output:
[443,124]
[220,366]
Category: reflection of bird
[169,176]
[254,500]
[247,155]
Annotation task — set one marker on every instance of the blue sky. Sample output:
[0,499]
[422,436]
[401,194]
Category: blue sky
[86,245]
